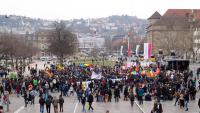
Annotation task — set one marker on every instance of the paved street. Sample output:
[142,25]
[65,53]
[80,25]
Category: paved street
[121,107]
[16,103]
[71,105]
[168,107]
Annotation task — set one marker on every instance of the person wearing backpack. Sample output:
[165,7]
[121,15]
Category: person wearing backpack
[61,102]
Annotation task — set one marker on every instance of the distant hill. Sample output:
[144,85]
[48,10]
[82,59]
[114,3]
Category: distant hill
[112,25]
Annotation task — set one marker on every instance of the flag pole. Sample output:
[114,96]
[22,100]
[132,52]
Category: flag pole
[129,51]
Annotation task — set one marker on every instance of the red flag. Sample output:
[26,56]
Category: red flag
[129,49]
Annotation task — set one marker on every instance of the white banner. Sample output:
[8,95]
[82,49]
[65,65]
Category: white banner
[146,54]
[121,51]
[136,50]
[95,75]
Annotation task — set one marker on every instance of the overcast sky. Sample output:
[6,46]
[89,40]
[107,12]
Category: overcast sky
[70,9]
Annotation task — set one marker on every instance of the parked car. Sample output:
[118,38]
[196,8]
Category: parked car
[45,58]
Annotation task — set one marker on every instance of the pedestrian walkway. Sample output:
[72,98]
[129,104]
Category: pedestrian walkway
[15,104]
[168,107]
[99,107]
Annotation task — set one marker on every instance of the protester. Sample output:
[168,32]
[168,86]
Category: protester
[126,93]
[41,102]
[90,101]
[48,104]
[177,96]
[160,110]
[186,100]
[61,102]
[181,100]
[55,102]
[132,98]
[83,101]
[25,98]
[116,94]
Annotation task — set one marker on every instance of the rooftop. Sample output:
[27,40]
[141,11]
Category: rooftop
[156,15]
[183,13]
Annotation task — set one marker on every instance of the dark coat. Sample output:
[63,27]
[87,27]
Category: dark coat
[117,92]
[83,100]
[90,98]
[41,101]
[159,110]
[61,100]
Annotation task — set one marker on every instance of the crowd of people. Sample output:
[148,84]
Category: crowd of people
[115,84]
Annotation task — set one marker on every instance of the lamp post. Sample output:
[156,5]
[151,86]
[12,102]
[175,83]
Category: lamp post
[103,60]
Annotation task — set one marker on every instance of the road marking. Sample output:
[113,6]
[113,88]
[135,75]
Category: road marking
[139,107]
[75,107]
[18,110]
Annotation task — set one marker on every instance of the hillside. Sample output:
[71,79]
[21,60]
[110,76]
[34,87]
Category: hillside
[112,25]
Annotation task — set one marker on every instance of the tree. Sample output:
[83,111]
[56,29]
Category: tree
[95,52]
[63,42]
[13,47]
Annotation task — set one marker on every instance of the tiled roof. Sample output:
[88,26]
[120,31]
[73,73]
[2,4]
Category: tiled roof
[178,17]
[182,13]
[172,21]
[156,15]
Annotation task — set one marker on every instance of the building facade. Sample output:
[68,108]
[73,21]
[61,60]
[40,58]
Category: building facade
[173,31]
[42,37]
[196,41]
[89,43]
